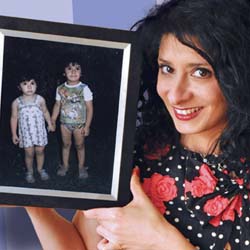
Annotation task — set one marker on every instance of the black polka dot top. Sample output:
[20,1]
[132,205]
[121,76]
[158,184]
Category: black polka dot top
[206,198]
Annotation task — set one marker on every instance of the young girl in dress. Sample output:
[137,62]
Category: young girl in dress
[28,113]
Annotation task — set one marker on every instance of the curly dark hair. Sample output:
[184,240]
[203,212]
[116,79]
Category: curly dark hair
[219,30]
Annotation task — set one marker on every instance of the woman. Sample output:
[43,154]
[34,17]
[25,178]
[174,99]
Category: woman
[193,144]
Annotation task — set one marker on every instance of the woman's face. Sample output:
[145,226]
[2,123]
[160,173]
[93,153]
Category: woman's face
[189,90]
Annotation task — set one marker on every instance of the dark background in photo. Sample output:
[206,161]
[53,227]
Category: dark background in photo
[45,61]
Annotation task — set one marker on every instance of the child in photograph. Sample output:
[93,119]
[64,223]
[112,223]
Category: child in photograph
[28,114]
[74,103]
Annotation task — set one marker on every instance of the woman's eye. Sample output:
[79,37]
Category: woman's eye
[165,69]
[202,72]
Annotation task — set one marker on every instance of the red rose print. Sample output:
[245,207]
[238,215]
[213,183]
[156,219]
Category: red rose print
[215,221]
[229,211]
[204,184]
[160,188]
[243,159]
[159,205]
[215,206]
[158,153]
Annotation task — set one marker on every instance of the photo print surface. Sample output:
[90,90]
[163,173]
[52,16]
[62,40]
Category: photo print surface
[105,64]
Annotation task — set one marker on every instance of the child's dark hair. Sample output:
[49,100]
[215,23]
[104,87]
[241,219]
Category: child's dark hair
[219,31]
[25,78]
[73,63]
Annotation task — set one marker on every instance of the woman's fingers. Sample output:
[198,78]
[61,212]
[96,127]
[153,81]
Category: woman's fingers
[104,244]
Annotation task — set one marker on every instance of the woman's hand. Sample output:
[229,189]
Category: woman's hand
[136,226]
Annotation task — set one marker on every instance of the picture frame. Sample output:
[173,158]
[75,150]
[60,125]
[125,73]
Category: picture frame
[110,65]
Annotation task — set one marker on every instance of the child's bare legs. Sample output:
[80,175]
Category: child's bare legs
[39,157]
[29,158]
[80,149]
[66,145]
[40,162]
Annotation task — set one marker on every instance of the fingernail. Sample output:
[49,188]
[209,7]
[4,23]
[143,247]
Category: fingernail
[136,171]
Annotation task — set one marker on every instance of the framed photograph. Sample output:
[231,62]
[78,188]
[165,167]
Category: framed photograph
[39,53]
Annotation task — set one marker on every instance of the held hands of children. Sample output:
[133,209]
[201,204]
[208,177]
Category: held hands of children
[124,227]
[51,128]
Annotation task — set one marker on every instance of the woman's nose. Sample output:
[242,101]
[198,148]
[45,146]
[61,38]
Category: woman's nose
[179,90]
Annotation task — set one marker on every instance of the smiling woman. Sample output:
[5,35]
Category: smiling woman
[193,145]
[191,93]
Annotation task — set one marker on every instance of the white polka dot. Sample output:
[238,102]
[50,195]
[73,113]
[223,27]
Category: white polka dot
[199,235]
[176,220]
[245,196]
[238,227]
[202,222]
[213,234]
[204,160]
[176,178]
[179,209]
[247,242]
[167,212]
[179,167]
[247,219]
[189,227]
[148,169]
[171,203]
[167,169]
[197,207]
[221,236]
[182,198]
[173,147]
[212,246]
[170,158]
[241,187]
[237,240]
[197,167]
[182,157]
[192,215]
[159,164]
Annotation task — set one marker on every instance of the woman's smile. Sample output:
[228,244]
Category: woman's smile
[185,114]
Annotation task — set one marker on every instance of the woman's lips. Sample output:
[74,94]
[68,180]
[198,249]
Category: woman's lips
[187,114]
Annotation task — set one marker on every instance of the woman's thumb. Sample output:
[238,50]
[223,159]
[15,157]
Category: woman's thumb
[135,185]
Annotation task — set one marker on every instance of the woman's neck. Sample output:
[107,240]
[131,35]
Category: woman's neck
[201,144]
